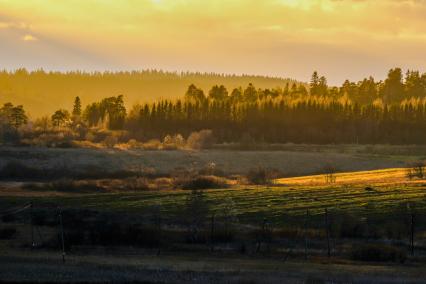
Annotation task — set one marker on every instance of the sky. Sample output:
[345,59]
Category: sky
[341,39]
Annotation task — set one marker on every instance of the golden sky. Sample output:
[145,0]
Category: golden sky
[339,38]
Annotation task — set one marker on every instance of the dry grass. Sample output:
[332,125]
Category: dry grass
[288,163]
[386,176]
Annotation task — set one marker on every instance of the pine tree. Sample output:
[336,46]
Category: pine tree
[76,111]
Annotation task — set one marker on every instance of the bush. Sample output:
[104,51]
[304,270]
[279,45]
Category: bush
[153,144]
[259,176]
[201,182]
[136,183]
[200,140]
[378,252]
[134,144]
[173,142]
[110,141]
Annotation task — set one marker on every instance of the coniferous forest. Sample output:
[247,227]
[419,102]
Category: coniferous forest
[392,111]
[366,112]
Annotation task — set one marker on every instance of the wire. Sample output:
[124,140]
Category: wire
[16,211]
[13,209]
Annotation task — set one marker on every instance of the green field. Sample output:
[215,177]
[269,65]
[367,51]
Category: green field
[363,193]
[367,207]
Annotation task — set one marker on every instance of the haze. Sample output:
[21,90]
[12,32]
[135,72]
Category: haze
[347,39]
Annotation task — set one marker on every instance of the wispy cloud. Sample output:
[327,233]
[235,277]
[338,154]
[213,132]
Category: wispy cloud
[277,37]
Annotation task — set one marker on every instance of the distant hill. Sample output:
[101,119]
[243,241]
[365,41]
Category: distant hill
[41,92]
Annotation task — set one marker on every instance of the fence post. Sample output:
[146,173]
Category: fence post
[160,233]
[327,232]
[32,225]
[62,234]
[412,234]
[212,233]
[306,233]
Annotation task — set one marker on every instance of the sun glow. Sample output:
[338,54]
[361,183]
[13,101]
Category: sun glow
[287,37]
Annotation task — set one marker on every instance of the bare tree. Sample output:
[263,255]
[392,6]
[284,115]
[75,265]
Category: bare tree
[419,169]
[330,173]
[416,170]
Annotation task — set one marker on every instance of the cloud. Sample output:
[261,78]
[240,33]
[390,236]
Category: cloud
[275,37]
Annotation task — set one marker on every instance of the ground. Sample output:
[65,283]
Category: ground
[292,160]
[371,187]
[148,268]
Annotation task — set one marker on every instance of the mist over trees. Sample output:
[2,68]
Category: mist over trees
[392,111]
[43,92]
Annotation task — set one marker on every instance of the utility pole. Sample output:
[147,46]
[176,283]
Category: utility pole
[62,234]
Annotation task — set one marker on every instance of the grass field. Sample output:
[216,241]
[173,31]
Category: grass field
[377,200]
[363,193]
[289,160]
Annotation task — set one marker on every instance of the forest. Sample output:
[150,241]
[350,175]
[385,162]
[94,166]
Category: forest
[42,92]
[392,111]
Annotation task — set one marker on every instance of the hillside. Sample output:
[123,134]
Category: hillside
[42,93]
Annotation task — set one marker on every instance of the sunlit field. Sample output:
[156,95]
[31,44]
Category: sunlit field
[214,141]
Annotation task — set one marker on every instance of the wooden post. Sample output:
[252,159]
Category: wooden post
[306,233]
[412,234]
[32,225]
[160,232]
[212,233]
[327,232]
[62,234]
[261,236]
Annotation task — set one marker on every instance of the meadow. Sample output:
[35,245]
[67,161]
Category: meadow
[360,217]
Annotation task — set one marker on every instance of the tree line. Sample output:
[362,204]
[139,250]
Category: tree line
[42,92]
[368,112]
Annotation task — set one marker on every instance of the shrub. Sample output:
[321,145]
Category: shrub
[417,170]
[260,176]
[201,182]
[378,252]
[133,144]
[163,183]
[136,183]
[90,137]
[153,144]
[173,142]
[200,140]
[330,173]
[110,141]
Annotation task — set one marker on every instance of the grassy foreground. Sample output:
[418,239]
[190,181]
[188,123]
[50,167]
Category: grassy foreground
[361,193]
[369,205]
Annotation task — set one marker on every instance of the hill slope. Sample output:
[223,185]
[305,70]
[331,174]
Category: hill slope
[42,93]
